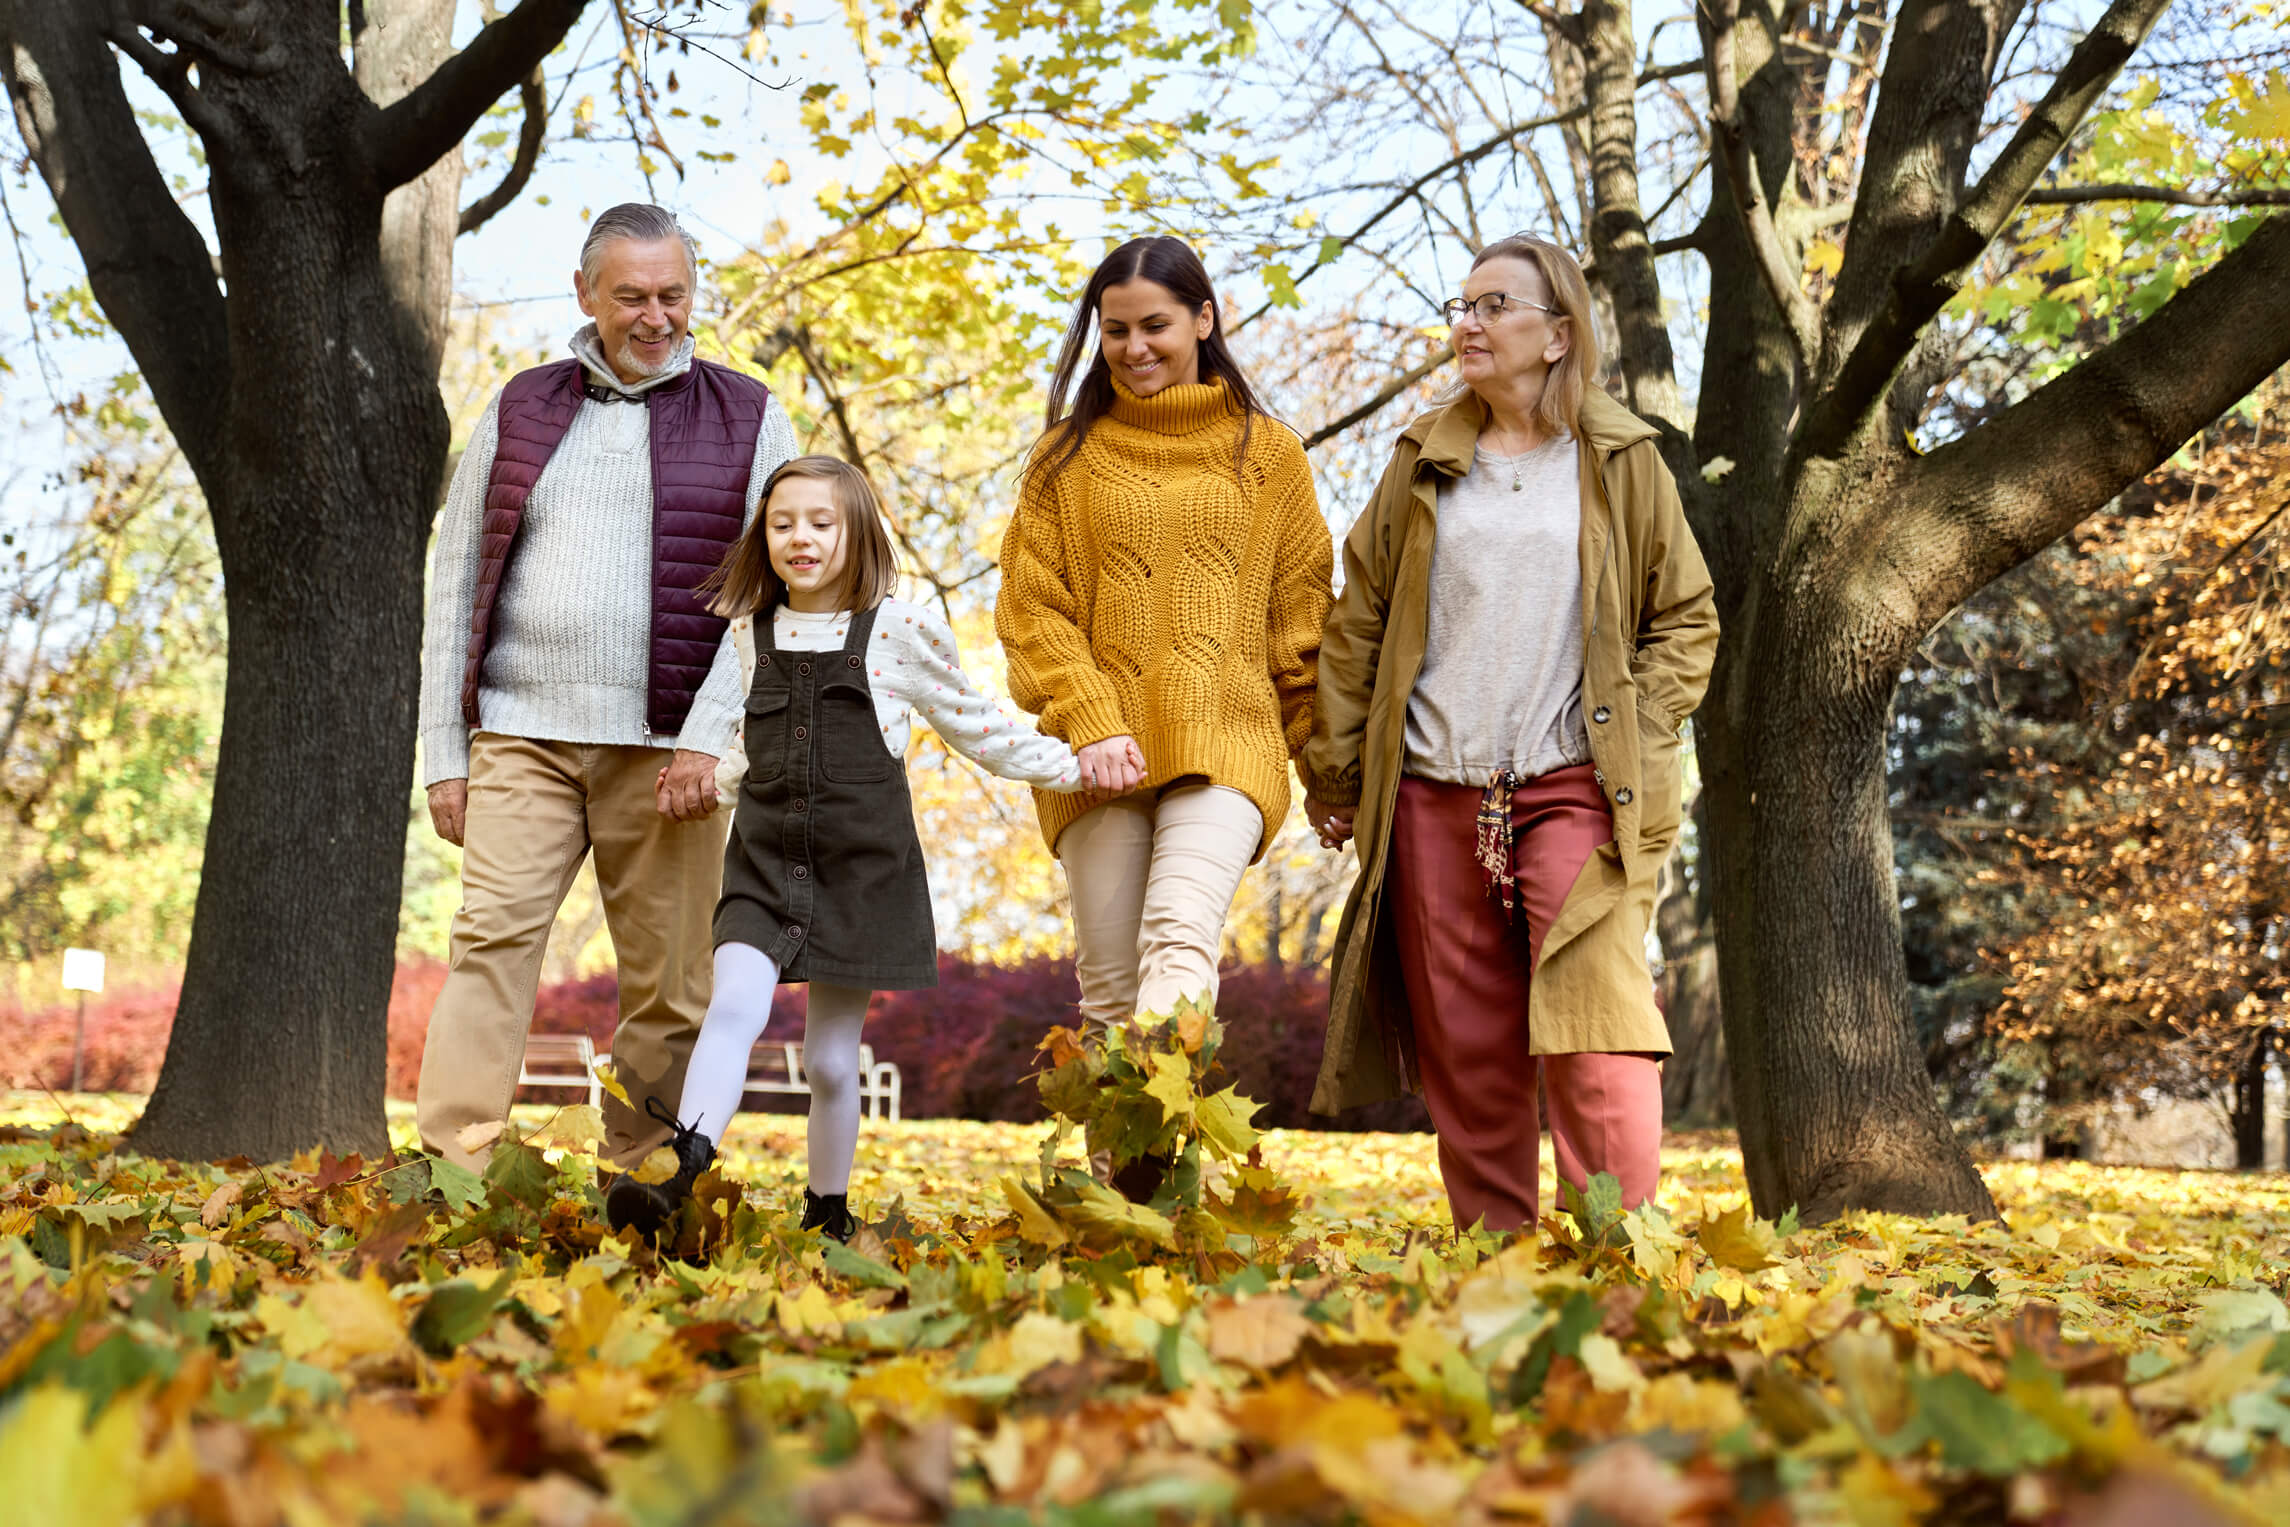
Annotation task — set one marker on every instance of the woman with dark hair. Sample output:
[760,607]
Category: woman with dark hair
[1164,581]
[1526,624]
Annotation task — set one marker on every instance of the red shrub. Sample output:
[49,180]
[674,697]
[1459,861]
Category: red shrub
[126,1039]
[964,1050]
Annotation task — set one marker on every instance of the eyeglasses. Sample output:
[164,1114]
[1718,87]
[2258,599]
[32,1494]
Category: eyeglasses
[1487,307]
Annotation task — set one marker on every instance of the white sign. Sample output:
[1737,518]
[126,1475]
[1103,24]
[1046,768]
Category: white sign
[83,970]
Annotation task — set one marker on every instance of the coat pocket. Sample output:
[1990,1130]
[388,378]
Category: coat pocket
[1661,782]
[765,733]
[851,746]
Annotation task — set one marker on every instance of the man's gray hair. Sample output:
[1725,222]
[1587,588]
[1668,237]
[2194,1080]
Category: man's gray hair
[638,220]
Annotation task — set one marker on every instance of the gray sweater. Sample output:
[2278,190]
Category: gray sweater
[572,624]
[1501,686]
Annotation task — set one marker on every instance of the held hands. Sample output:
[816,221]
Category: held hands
[1332,823]
[449,809]
[686,789]
[1112,767]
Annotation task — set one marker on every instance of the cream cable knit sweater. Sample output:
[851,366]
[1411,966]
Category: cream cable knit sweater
[572,624]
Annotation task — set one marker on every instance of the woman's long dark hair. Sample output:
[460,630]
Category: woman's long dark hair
[1166,262]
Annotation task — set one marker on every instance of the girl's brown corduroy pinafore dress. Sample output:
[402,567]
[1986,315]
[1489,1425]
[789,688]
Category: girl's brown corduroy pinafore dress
[824,872]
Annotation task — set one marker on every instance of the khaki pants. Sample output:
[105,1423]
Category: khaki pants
[1152,882]
[536,809]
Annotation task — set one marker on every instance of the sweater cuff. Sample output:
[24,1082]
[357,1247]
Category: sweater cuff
[1083,722]
[444,753]
[708,729]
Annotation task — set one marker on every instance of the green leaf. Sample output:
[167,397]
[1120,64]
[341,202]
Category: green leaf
[458,1311]
[859,1267]
[1330,248]
[1981,1431]
[460,1187]
[1281,285]
[520,1173]
[1071,1091]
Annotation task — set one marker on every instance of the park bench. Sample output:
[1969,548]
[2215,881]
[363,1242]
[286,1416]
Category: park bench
[772,1068]
[561,1060]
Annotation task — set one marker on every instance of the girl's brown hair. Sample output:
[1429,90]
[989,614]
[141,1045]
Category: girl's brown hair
[745,582]
[1561,407]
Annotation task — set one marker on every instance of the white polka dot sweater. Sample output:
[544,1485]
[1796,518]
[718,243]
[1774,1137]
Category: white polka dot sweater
[914,670]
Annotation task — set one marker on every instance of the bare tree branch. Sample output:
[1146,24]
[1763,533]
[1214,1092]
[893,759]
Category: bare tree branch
[1922,289]
[534,97]
[1383,396]
[1982,504]
[146,262]
[407,137]
[1408,194]
[1802,318]
[2179,196]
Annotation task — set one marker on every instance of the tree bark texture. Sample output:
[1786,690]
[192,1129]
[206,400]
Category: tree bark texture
[1696,1088]
[306,400]
[1836,548]
[2249,1111]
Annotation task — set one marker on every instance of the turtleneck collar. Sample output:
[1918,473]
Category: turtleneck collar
[1174,410]
[587,345]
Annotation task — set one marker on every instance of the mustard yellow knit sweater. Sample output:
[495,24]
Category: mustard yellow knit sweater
[1152,590]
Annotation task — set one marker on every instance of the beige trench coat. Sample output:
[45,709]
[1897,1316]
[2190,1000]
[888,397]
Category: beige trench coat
[1650,632]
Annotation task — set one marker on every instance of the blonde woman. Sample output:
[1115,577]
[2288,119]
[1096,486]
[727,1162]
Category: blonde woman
[1525,625]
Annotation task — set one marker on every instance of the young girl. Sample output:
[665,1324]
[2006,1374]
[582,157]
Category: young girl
[823,877]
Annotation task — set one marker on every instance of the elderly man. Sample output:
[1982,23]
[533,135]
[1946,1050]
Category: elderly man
[576,694]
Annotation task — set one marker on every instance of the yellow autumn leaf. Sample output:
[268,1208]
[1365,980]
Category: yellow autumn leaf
[61,1469]
[1260,1332]
[1738,1240]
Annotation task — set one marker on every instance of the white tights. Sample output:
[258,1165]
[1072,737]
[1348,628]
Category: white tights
[745,982]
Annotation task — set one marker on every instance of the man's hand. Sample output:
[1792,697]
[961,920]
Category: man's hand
[687,787]
[1112,767]
[1332,823]
[449,809]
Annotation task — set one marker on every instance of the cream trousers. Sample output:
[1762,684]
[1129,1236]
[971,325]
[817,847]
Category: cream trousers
[1152,881]
[536,810]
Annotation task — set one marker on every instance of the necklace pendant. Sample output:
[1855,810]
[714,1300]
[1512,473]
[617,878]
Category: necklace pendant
[1516,484]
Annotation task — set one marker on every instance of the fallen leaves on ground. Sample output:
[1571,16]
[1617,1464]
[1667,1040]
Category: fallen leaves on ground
[352,1341]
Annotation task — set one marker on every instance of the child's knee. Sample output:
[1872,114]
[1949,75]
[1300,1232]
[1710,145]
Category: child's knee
[832,1075]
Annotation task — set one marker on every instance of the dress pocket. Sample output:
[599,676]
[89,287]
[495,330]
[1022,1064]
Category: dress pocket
[851,746]
[765,733]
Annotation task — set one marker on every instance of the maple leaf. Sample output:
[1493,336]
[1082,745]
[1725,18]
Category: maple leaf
[1261,1332]
[1172,1087]
[1737,1240]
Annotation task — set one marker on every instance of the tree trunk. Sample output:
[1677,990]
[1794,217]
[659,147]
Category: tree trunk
[1695,1079]
[303,392]
[334,447]
[2249,1110]
[1830,1093]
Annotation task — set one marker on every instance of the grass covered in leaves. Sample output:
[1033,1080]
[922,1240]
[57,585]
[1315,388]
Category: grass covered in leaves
[342,1341]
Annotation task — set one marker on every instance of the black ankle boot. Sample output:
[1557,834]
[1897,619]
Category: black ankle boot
[829,1215]
[647,1206]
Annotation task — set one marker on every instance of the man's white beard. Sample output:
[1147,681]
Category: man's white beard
[628,363]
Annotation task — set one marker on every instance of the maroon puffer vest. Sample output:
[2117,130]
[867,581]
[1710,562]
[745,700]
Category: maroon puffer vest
[704,426]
